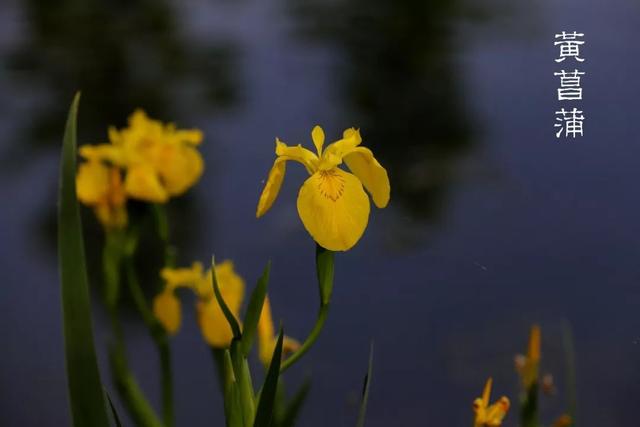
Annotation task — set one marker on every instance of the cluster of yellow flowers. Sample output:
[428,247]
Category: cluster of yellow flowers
[148,161]
[213,324]
[151,161]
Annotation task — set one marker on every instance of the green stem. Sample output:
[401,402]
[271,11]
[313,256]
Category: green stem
[529,408]
[162,228]
[133,397]
[159,337]
[128,388]
[324,272]
[311,339]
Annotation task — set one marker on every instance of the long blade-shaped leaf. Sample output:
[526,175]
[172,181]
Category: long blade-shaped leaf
[365,391]
[88,407]
[245,385]
[264,413]
[233,323]
[232,407]
[254,310]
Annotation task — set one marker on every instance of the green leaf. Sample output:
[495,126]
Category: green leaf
[88,407]
[254,310]
[365,391]
[324,270]
[233,323]
[264,414]
[245,386]
[232,407]
[294,407]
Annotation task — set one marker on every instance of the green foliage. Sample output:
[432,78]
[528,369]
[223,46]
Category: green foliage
[264,414]
[88,407]
[233,323]
[324,271]
[254,310]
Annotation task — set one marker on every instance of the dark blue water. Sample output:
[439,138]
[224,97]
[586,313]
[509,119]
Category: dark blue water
[493,224]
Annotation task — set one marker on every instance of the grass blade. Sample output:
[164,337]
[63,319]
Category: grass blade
[365,391]
[88,407]
[264,413]
[254,310]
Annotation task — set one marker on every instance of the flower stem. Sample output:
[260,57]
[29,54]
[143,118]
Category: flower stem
[128,388]
[324,271]
[311,339]
[159,337]
[529,407]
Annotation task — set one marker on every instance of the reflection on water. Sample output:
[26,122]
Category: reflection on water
[402,81]
[121,54]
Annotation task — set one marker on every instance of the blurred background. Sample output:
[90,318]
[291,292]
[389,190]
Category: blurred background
[493,223]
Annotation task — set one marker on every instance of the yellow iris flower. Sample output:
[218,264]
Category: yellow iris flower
[159,161]
[332,203]
[487,415]
[213,324]
[100,186]
[528,366]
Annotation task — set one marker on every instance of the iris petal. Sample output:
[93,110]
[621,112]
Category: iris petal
[180,166]
[334,209]
[166,308]
[213,325]
[317,135]
[143,183]
[92,182]
[332,156]
[271,187]
[373,176]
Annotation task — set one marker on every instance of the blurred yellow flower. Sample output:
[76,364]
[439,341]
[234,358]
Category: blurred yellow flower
[267,338]
[213,324]
[166,307]
[563,420]
[160,161]
[100,186]
[527,366]
[489,415]
[332,203]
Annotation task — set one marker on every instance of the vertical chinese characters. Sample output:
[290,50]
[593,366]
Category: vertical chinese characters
[569,121]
